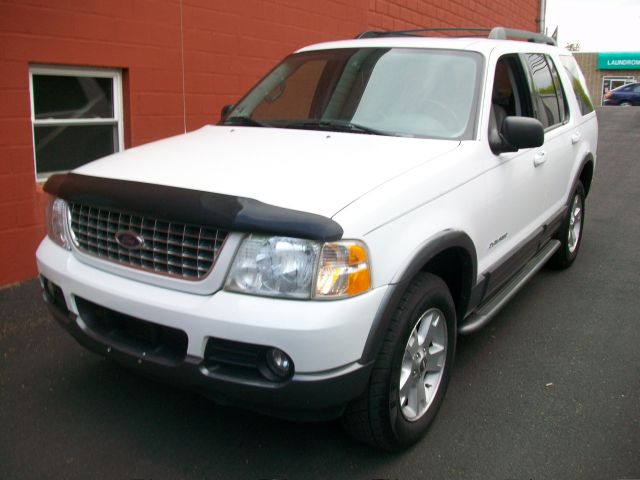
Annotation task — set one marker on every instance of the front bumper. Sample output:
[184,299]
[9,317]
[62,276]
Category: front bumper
[324,339]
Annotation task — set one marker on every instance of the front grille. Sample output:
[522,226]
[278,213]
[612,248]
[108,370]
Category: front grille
[169,248]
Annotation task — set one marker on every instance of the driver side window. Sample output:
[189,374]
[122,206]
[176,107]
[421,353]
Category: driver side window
[509,95]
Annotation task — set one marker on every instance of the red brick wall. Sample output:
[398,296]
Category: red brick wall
[407,14]
[228,45]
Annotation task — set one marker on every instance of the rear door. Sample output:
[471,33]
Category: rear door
[555,160]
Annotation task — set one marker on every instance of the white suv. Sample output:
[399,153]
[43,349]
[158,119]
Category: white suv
[317,253]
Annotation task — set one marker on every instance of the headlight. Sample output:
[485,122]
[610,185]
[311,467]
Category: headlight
[274,266]
[57,220]
[297,268]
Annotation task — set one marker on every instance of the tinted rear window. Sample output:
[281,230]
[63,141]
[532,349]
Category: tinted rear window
[578,83]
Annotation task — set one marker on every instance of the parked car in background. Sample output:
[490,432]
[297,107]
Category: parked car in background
[625,96]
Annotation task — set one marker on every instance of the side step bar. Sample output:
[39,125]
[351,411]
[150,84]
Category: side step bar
[485,312]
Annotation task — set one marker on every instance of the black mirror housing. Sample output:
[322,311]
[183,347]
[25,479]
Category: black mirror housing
[225,111]
[519,132]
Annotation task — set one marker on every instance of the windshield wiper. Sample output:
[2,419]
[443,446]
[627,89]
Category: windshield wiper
[335,126]
[245,121]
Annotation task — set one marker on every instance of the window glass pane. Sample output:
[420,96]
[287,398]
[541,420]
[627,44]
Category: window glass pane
[68,147]
[293,96]
[547,102]
[404,92]
[578,83]
[562,104]
[72,97]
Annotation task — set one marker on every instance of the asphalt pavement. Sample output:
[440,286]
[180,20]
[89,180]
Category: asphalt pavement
[549,389]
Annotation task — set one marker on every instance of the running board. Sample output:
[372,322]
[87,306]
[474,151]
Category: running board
[485,312]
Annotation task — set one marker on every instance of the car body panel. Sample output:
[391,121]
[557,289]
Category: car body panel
[297,169]
[319,336]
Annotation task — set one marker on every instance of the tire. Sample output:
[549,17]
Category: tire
[625,104]
[386,415]
[570,234]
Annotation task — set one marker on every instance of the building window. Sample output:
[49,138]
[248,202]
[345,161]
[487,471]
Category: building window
[76,115]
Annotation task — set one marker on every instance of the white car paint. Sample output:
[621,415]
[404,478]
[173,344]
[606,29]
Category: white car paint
[311,171]
[393,193]
[318,336]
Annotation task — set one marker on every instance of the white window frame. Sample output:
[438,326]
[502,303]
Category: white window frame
[114,74]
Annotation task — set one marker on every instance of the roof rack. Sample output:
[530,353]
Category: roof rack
[501,33]
[496,33]
[480,32]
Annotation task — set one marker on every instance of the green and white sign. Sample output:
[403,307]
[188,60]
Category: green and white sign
[619,61]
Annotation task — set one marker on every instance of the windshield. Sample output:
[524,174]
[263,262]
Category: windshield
[397,91]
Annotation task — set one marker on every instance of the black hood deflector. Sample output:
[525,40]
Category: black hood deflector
[215,210]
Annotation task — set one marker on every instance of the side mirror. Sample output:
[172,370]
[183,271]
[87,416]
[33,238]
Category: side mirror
[517,133]
[225,111]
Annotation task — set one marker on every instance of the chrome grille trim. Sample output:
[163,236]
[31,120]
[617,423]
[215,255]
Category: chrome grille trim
[175,249]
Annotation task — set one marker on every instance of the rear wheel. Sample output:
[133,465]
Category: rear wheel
[412,370]
[570,234]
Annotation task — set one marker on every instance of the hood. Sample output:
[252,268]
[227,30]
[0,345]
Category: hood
[312,171]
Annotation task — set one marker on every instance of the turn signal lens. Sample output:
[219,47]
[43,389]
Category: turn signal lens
[343,270]
[57,219]
[296,268]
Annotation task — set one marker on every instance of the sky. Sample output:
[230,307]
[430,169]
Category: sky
[597,25]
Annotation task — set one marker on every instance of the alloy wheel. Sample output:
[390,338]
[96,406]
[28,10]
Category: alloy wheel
[423,364]
[575,224]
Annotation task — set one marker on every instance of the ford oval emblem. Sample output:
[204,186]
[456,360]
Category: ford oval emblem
[129,240]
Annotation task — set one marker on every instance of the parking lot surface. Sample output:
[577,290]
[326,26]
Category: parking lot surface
[549,389]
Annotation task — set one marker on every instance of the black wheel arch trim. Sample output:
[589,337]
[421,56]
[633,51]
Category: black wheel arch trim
[439,243]
[239,214]
[589,159]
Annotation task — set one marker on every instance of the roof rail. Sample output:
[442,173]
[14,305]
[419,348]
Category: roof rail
[496,33]
[416,32]
[501,33]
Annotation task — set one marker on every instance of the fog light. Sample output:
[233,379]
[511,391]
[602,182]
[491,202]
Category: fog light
[48,286]
[279,363]
[51,289]
[53,293]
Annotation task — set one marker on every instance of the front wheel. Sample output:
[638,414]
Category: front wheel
[570,233]
[412,371]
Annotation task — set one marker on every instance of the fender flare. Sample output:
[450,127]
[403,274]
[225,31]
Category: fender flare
[588,159]
[415,263]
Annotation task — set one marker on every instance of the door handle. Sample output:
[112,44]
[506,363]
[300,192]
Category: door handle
[575,138]
[539,158]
